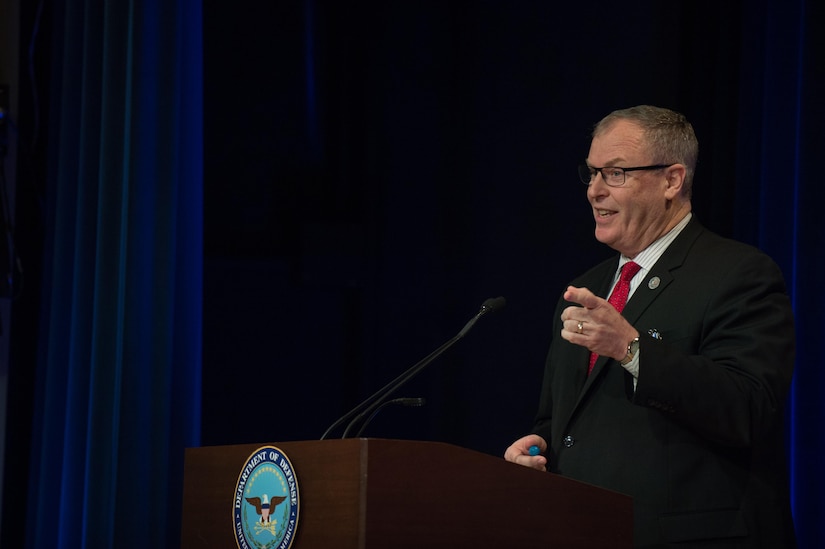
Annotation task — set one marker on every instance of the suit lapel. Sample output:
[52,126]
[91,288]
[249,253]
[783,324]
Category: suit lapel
[655,282]
[600,282]
[663,273]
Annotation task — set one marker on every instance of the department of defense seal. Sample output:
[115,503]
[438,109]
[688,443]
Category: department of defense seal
[265,506]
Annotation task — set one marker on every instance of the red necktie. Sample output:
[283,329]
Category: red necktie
[619,297]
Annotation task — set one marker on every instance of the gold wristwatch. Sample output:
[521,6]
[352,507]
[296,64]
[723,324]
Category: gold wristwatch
[632,349]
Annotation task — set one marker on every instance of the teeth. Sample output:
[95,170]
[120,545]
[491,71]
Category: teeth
[604,213]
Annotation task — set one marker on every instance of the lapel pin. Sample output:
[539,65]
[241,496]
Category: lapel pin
[654,282]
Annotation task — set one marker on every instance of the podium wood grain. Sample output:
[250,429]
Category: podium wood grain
[394,494]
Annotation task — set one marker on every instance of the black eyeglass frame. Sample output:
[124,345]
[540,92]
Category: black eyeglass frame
[590,172]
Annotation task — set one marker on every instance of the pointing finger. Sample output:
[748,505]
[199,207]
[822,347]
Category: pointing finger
[582,296]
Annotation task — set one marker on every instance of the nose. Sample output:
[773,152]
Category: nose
[597,186]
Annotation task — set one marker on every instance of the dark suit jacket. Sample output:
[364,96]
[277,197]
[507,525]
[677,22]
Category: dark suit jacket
[698,444]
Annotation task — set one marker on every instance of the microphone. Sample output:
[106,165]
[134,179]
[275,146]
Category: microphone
[371,404]
[411,402]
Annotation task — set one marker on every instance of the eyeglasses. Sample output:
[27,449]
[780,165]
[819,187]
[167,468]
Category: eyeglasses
[612,175]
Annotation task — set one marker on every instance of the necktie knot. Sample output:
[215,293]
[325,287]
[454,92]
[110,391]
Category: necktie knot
[619,296]
[629,270]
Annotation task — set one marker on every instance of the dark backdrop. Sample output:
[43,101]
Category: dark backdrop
[376,170]
[372,172]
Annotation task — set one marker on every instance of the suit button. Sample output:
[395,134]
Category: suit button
[568,441]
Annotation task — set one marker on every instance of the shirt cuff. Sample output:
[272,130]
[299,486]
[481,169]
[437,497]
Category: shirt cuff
[633,368]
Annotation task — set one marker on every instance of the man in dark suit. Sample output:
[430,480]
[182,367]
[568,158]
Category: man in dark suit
[677,400]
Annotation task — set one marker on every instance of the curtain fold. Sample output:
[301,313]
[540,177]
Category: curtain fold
[796,174]
[781,113]
[118,396]
[118,393]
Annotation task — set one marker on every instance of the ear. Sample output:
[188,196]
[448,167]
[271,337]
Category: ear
[675,179]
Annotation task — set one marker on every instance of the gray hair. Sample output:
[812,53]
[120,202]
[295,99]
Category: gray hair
[669,136]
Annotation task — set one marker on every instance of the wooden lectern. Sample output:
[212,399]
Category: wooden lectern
[393,494]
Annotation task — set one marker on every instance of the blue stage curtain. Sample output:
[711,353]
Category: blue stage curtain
[118,386]
[779,194]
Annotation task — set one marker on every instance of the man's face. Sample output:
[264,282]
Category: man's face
[628,218]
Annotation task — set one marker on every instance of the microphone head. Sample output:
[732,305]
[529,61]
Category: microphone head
[493,304]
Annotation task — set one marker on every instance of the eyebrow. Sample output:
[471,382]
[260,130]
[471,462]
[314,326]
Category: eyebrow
[611,163]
